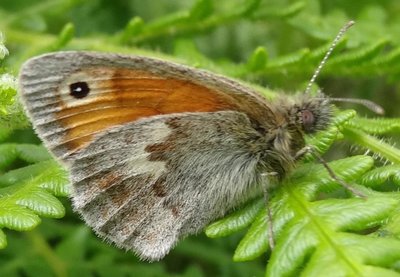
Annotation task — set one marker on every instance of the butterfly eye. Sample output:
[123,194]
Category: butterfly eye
[79,90]
[308,120]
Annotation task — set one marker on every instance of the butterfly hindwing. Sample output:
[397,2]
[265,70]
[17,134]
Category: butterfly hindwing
[166,183]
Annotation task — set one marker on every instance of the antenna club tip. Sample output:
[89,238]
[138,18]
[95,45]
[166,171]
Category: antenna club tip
[380,111]
[377,108]
[348,25]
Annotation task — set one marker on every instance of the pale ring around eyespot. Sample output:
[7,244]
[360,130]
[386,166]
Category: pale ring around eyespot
[89,79]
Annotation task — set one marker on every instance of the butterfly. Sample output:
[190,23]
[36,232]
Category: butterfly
[156,150]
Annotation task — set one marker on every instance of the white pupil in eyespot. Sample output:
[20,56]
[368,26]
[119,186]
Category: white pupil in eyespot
[79,90]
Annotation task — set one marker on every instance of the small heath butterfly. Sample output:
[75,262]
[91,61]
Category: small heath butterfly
[157,150]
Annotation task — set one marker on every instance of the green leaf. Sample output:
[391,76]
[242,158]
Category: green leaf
[32,153]
[133,28]
[322,226]
[42,203]
[3,48]
[235,221]
[324,139]
[250,7]
[3,240]
[201,10]
[16,217]
[24,173]
[251,246]
[66,35]
[27,152]
[7,92]
[360,55]
[8,154]
[288,60]
[355,253]
[374,144]
[382,174]
[258,59]
[286,11]
[306,181]
[377,126]
[26,193]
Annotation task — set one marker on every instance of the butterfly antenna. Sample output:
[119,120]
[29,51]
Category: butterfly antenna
[366,103]
[342,31]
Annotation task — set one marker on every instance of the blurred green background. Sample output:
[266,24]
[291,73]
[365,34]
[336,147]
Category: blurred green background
[273,43]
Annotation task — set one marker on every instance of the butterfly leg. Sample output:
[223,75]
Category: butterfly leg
[309,149]
[265,184]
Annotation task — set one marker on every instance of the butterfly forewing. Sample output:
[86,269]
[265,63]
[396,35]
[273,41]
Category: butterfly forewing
[121,89]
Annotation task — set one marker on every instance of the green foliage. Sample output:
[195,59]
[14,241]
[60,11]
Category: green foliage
[26,193]
[319,228]
[317,235]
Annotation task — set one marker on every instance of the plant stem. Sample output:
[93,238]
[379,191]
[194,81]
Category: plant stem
[43,249]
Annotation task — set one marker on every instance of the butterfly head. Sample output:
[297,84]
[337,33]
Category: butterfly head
[310,113]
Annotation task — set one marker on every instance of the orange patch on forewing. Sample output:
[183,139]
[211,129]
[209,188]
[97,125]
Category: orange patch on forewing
[130,95]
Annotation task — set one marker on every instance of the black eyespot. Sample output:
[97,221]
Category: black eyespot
[308,120]
[79,90]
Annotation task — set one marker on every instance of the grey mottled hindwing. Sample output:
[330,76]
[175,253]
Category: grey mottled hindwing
[147,184]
